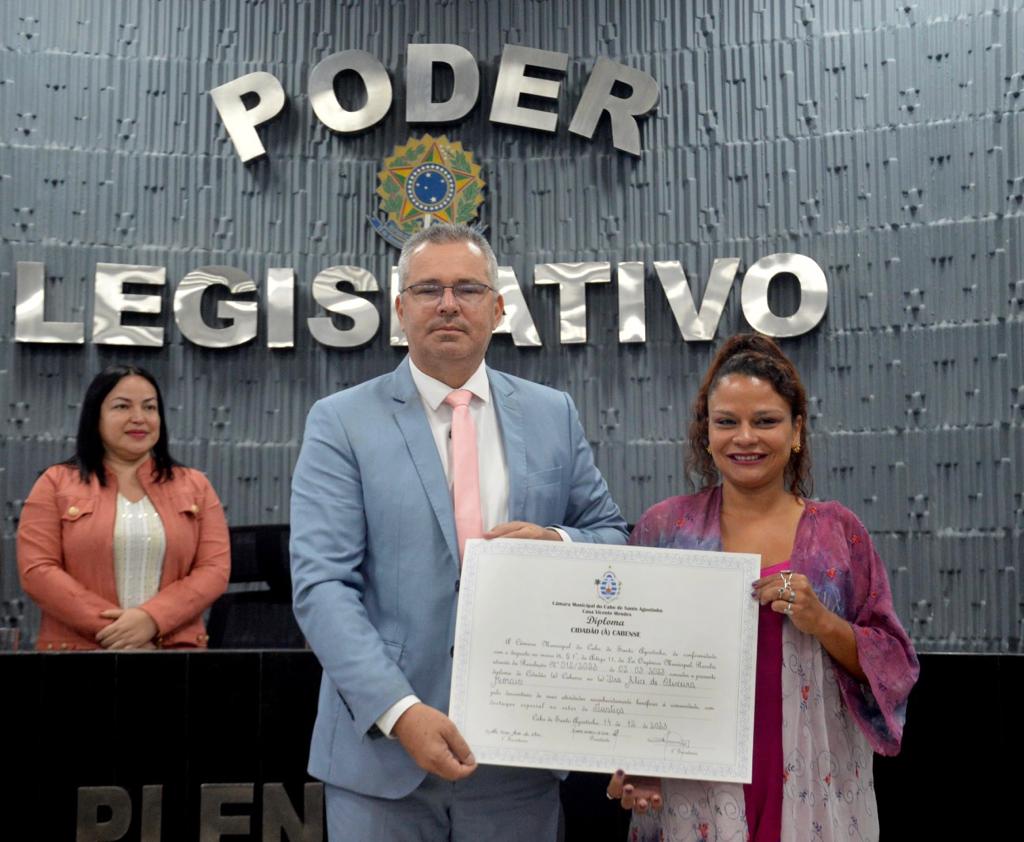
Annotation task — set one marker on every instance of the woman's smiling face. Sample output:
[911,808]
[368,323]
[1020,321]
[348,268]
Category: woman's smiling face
[751,432]
[130,419]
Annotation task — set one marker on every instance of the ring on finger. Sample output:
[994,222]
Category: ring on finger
[792,597]
[789,607]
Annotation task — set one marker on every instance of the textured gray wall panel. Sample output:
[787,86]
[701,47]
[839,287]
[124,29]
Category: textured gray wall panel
[881,139]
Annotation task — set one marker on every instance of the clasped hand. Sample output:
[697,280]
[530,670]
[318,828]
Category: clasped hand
[132,628]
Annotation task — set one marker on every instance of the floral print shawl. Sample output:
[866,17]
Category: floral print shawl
[831,721]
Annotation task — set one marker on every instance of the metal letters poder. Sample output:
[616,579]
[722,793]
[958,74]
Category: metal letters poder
[513,82]
[341,291]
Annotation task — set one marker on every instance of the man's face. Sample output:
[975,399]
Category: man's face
[448,336]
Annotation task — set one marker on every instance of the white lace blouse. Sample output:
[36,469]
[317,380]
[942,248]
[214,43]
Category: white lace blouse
[139,544]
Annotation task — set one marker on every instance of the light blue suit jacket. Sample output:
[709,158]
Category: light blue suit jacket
[374,554]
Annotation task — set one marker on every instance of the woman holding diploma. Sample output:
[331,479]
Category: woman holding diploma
[834,664]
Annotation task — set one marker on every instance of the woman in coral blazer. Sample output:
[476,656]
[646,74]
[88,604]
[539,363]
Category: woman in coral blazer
[121,546]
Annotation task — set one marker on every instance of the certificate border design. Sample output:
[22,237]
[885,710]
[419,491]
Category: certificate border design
[478,550]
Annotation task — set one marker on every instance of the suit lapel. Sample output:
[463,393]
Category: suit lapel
[510,419]
[412,422]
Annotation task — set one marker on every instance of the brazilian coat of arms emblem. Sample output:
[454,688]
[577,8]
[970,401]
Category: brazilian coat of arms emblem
[425,181]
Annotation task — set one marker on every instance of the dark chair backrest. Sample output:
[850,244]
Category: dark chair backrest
[256,610]
[260,554]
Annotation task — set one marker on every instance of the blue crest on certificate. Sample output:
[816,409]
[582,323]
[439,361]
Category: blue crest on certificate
[608,586]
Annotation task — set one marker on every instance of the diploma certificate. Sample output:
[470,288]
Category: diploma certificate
[597,657]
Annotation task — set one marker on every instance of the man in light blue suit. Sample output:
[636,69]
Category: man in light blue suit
[375,556]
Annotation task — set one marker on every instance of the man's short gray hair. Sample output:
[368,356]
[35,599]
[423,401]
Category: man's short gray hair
[443,234]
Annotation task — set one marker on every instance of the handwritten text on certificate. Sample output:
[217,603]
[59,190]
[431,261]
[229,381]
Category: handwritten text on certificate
[593,657]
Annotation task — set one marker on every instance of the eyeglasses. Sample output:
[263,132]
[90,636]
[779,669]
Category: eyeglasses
[466,292]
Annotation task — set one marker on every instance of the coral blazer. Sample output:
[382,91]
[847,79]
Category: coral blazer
[66,555]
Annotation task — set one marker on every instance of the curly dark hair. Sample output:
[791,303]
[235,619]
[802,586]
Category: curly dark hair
[755,356]
[88,458]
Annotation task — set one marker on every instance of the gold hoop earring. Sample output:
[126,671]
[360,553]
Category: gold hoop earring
[707,447]
[796,448]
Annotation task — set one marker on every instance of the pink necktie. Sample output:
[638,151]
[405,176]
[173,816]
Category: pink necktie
[469,522]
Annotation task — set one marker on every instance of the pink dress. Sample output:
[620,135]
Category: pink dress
[763,795]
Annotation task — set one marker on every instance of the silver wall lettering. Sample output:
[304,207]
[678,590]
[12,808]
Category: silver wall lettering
[513,81]
[241,122]
[813,295]
[30,323]
[88,827]
[281,307]
[212,823]
[572,280]
[694,326]
[325,102]
[419,83]
[188,311]
[632,317]
[597,98]
[397,335]
[242,315]
[333,300]
[517,319]
[279,815]
[110,302]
